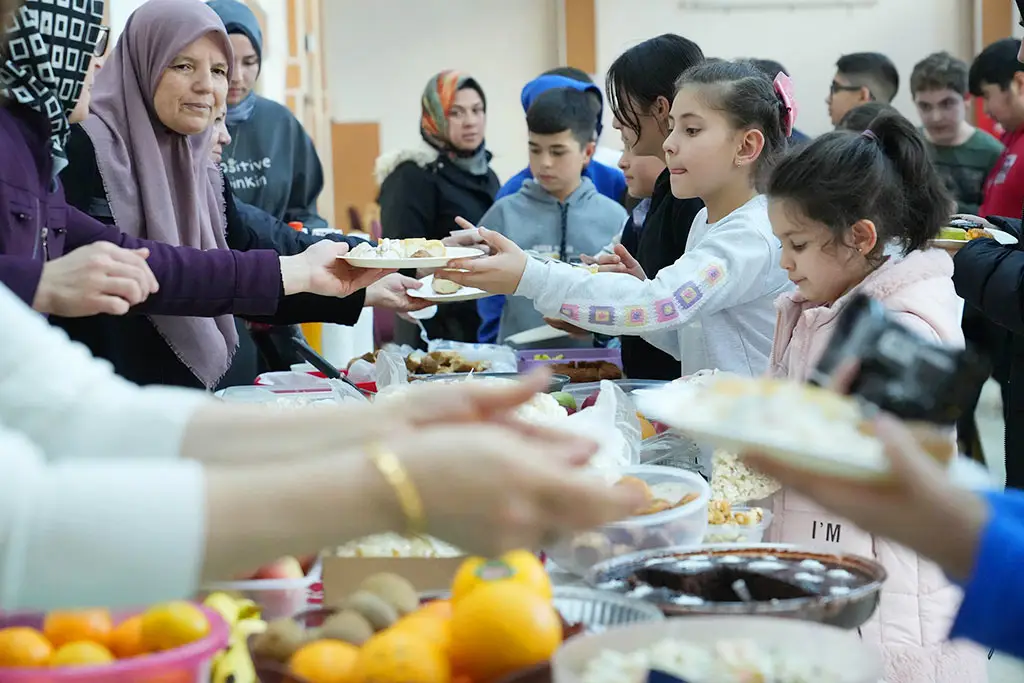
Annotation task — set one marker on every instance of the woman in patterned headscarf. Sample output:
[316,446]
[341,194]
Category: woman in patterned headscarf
[423,189]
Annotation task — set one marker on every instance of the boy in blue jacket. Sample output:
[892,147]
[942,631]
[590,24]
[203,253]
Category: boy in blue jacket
[558,212]
[608,180]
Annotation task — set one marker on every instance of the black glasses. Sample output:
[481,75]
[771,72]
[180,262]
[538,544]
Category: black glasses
[839,87]
[102,38]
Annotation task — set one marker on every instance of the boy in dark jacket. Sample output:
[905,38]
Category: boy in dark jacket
[558,213]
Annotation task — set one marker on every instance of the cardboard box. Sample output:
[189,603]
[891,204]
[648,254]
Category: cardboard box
[342,575]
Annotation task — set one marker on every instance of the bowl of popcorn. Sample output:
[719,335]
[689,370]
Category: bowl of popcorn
[736,524]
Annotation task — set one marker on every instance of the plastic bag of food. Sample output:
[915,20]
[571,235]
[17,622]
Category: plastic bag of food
[391,370]
[501,358]
[613,423]
[672,449]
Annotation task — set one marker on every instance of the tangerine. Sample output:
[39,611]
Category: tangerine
[647,428]
[324,661]
[501,628]
[126,638]
[62,627]
[21,646]
[81,653]
[432,627]
[171,625]
[441,608]
[401,655]
[519,566]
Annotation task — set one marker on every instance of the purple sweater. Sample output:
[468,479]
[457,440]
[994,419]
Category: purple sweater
[37,225]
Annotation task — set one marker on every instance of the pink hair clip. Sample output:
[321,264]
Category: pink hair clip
[784,89]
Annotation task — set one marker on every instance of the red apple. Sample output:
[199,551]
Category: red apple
[660,427]
[282,568]
[307,563]
[590,400]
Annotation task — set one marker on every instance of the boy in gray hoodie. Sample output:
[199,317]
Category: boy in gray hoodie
[558,213]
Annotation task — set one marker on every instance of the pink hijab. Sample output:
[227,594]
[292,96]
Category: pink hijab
[162,185]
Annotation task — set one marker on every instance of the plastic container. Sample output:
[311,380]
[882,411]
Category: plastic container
[278,598]
[684,525]
[835,650]
[739,533]
[188,664]
[581,391]
[527,358]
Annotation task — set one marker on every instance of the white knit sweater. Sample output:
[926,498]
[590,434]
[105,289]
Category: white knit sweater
[713,308]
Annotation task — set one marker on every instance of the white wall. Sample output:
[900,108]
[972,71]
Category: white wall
[807,41]
[380,55]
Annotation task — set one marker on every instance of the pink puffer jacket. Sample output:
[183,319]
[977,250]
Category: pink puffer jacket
[918,603]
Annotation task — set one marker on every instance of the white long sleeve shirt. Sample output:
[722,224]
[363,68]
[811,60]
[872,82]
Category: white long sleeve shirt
[712,309]
[96,505]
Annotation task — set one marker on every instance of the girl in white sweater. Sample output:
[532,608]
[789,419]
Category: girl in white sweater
[713,307]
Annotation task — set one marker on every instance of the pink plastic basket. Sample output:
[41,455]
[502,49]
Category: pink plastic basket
[187,664]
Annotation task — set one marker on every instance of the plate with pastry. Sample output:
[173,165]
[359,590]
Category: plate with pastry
[415,252]
[441,291]
[952,238]
[803,425]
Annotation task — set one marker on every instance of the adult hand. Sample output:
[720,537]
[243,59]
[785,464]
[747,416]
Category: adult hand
[391,292]
[489,489]
[98,278]
[917,505]
[577,332]
[321,270]
[498,273]
[469,237]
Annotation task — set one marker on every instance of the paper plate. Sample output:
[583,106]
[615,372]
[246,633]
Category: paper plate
[839,457]
[427,293]
[426,262]
[955,245]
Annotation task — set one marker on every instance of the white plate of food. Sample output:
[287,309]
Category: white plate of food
[407,253]
[806,426]
[953,239]
[442,291]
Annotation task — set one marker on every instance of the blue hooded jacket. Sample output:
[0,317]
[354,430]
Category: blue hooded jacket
[609,181]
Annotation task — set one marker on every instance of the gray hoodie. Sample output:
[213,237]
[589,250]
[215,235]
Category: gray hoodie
[537,221]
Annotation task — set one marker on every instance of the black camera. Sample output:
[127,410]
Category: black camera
[899,372]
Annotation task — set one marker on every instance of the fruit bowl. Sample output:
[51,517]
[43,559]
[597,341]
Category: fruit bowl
[783,581]
[187,664]
[280,589]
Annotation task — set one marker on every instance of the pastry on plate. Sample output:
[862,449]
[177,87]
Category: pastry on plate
[442,286]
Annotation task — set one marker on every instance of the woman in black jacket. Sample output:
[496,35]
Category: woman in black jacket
[423,189]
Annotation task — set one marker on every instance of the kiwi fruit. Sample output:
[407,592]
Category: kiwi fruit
[394,590]
[348,626]
[280,641]
[373,608]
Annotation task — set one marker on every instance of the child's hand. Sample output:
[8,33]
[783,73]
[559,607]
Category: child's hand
[917,505]
[498,273]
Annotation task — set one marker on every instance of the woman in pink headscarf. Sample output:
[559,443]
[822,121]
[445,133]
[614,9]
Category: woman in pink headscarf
[142,159]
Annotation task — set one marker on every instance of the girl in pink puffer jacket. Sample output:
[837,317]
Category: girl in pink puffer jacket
[835,205]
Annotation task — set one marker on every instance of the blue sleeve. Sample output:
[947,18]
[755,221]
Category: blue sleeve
[513,184]
[992,611]
[489,309]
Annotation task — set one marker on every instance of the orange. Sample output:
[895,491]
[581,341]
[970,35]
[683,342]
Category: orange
[441,608]
[501,628]
[647,429]
[398,655]
[171,625]
[518,566]
[25,647]
[81,653]
[324,661]
[87,624]
[432,627]
[126,638]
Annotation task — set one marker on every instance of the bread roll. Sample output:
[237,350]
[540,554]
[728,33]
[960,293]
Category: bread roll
[442,286]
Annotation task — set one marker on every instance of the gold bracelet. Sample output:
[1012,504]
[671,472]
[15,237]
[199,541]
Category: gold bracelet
[395,474]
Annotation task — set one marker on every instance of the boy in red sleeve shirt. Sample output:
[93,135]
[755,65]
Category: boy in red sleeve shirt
[998,78]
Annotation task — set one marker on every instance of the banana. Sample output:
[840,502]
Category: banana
[234,664]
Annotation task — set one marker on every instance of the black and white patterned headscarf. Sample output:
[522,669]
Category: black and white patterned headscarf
[49,46]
